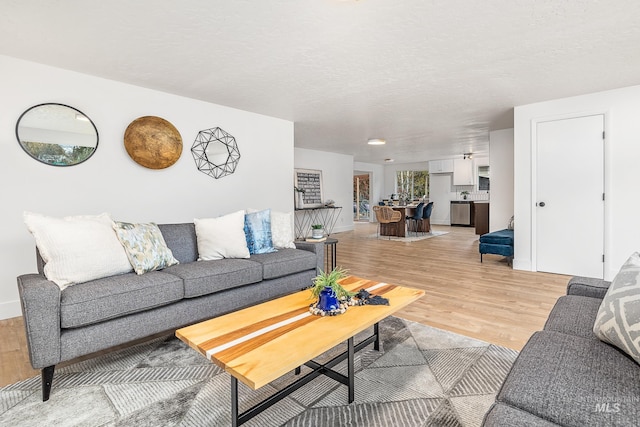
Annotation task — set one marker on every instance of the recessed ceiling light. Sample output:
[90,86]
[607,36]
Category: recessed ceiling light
[376,141]
[388,160]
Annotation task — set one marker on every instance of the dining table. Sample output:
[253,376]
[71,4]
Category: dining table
[401,229]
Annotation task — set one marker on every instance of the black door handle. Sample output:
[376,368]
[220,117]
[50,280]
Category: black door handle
[541,204]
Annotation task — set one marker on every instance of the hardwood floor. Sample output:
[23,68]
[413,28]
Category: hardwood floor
[487,301]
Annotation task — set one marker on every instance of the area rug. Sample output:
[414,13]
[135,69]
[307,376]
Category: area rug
[409,238]
[421,376]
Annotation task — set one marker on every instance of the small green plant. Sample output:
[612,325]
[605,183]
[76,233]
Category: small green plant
[330,280]
[316,227]
[299,190]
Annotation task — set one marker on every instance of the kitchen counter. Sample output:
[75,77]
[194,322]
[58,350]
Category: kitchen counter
[481,218]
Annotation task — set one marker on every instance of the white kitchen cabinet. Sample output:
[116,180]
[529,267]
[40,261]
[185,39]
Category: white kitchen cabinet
[463,173]
[441,166]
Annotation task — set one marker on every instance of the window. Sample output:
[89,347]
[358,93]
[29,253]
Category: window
[412,184]
[483,178]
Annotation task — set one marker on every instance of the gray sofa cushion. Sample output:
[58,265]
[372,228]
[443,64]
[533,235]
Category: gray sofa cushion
[80,341]
[500,415]
[115,296]
[206,277]
[181,239]
[574,381]
[285,262]
[574,315]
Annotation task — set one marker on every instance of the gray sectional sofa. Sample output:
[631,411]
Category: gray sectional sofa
[99,314]
[565,375]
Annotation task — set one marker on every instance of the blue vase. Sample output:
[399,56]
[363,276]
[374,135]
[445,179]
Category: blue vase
[328,300]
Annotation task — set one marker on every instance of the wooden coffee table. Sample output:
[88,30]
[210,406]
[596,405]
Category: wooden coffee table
[259,344]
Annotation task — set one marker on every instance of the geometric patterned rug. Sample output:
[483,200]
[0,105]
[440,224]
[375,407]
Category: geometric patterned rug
[422,376]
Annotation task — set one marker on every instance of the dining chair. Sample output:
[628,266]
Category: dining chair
[416,217]
[386,215]
[426,216]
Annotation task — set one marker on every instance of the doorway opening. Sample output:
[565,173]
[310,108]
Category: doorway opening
[361,196]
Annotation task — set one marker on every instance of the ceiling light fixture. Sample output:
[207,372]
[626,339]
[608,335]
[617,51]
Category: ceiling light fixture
[467,156]
[388,160]
[376,141]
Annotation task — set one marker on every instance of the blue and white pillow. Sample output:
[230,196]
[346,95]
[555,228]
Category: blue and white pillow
[257,229]
[145,246]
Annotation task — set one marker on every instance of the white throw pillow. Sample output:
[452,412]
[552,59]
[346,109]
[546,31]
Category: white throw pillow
[221,237]
[281,229]
[77,249]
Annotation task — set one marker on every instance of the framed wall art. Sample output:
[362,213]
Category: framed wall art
[309,182]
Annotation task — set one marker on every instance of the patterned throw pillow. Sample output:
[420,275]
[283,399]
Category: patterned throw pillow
[257,229]
[618,319]
[145,246]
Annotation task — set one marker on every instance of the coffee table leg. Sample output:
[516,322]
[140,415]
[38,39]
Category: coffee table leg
[376,332]
[234,401]
[351,369]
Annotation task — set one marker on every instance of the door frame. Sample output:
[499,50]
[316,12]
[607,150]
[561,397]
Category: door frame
[606,184]
[370,177]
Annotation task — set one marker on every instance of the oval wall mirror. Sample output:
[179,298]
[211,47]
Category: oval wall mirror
[57,134]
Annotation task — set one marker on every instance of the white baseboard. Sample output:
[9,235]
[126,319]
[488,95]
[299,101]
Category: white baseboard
[10,309]
[522,264]
[342,229]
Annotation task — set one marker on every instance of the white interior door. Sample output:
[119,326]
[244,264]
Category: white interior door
[569,196]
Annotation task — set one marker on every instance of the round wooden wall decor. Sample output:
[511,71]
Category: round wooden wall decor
[153,142]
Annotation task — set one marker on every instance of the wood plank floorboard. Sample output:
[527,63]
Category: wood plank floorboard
[488,301]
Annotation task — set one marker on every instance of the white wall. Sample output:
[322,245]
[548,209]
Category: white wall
[110,181]
[376,184]
[501,173]
[337,180]
[622,174]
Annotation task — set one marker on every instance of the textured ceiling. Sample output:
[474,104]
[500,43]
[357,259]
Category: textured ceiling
[432,77]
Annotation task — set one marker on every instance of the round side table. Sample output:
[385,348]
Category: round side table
[330,253]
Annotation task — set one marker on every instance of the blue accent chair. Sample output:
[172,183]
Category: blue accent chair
[498,243]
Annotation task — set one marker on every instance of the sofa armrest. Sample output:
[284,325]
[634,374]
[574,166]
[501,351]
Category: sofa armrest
[40,300]
[587,287]
[317,248]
